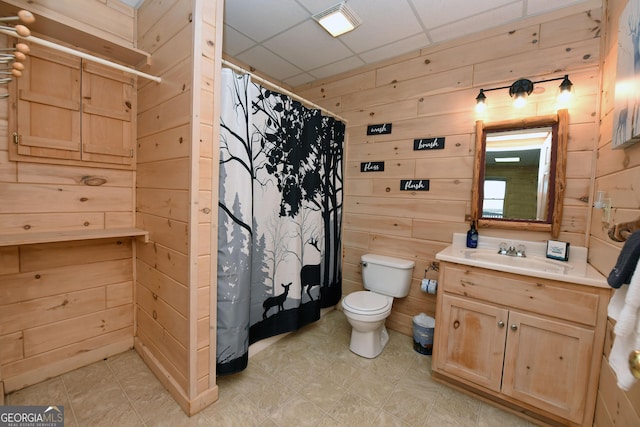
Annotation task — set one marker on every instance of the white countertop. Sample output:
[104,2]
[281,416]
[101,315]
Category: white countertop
[535,264]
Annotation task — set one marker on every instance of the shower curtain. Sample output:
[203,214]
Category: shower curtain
[280,210]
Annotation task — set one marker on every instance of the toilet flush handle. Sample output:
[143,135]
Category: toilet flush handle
[362,263]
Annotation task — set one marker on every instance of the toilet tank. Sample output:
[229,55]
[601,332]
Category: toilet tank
[386,275]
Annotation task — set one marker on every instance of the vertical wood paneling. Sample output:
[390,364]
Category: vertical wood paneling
[617,173]
[175,201]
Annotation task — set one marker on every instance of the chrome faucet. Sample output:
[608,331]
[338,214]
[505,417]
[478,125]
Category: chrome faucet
[519,251]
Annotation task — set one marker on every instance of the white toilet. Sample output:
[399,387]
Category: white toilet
[385,278]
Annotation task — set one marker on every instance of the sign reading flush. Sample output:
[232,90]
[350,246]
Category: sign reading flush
[414,185]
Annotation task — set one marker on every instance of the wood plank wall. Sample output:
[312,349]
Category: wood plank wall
[175,197]
[432,93]
[617,173]
[63,305]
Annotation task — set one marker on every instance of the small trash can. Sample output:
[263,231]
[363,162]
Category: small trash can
[423,326]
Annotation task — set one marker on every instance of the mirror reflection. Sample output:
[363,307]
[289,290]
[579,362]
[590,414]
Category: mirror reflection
[517,170]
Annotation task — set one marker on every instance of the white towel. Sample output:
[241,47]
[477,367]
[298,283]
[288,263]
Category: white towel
[623,308]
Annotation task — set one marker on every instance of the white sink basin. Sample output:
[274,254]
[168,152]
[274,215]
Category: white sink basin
[529,262]
[535,264]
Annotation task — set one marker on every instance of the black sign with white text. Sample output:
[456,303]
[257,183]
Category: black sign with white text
[381,129]
[372,167]
[414,185]
[429,143]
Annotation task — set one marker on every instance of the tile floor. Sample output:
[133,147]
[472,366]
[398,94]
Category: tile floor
[308,378]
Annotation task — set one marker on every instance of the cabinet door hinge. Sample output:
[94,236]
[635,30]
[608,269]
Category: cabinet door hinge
[132,153]
[16,138]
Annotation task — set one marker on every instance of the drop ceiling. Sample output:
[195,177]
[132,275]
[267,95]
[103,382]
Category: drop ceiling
[280,39]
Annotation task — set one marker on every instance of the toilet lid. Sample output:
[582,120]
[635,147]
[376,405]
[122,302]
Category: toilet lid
[365,302]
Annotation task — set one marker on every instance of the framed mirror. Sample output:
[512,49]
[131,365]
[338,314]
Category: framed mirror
[519,173]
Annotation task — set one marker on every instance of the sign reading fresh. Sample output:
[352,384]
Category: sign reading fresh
[381,129]
[428,143]
[414,185]
[372,167]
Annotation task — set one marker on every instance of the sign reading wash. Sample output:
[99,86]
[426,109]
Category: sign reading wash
[428,144]
[414,185]
[381,129]
[31,416]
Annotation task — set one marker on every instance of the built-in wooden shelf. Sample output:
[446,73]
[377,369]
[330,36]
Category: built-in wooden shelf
[70,235]
[77,34]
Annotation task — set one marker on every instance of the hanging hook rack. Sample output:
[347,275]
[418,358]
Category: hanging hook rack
[14,55]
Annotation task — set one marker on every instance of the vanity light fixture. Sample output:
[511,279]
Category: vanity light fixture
[522,88]
[338,19]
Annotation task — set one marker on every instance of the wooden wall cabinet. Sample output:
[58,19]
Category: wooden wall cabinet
[530,344]
[72,111]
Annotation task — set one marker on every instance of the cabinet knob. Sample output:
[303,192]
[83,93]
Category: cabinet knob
[514,327]
[634,363]
[501,324]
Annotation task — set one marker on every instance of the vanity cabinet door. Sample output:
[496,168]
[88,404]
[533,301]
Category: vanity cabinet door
[547,364]
[472,345]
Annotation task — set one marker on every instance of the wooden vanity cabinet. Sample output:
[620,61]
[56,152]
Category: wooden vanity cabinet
[531,344]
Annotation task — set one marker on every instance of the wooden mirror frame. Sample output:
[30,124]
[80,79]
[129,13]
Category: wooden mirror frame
[560,122]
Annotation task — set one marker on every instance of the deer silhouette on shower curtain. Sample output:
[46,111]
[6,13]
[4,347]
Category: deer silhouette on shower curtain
[280,213]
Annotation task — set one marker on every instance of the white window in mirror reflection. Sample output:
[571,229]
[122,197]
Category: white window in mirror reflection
[494,193]
[523,159]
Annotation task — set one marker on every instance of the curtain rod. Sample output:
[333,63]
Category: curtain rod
[283,90]
[74,52]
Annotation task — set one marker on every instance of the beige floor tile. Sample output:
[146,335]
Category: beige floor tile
[354,411]
[307,378]
[298,412]
[386,419]
[97,399]
[411,405]
[490,416]
[323,392]
[46,393]
[239,412]
[453,408]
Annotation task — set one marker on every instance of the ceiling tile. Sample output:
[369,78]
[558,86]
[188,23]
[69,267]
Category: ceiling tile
[281,39]
[338,67]
[436,13]
[383,21]
[233,42]
[536,7]
[295,47]
[477,23]
[265,61]
[395,49]
[260,19]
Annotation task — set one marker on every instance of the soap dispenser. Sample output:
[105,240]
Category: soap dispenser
[472,236]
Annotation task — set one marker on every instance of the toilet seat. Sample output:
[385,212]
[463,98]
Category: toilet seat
[367,303]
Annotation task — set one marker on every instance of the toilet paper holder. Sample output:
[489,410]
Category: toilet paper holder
[435,266]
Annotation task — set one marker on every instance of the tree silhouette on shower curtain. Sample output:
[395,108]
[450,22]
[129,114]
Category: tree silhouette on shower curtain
[280,210]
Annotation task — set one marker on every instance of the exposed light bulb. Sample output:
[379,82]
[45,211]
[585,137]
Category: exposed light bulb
[520,100]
